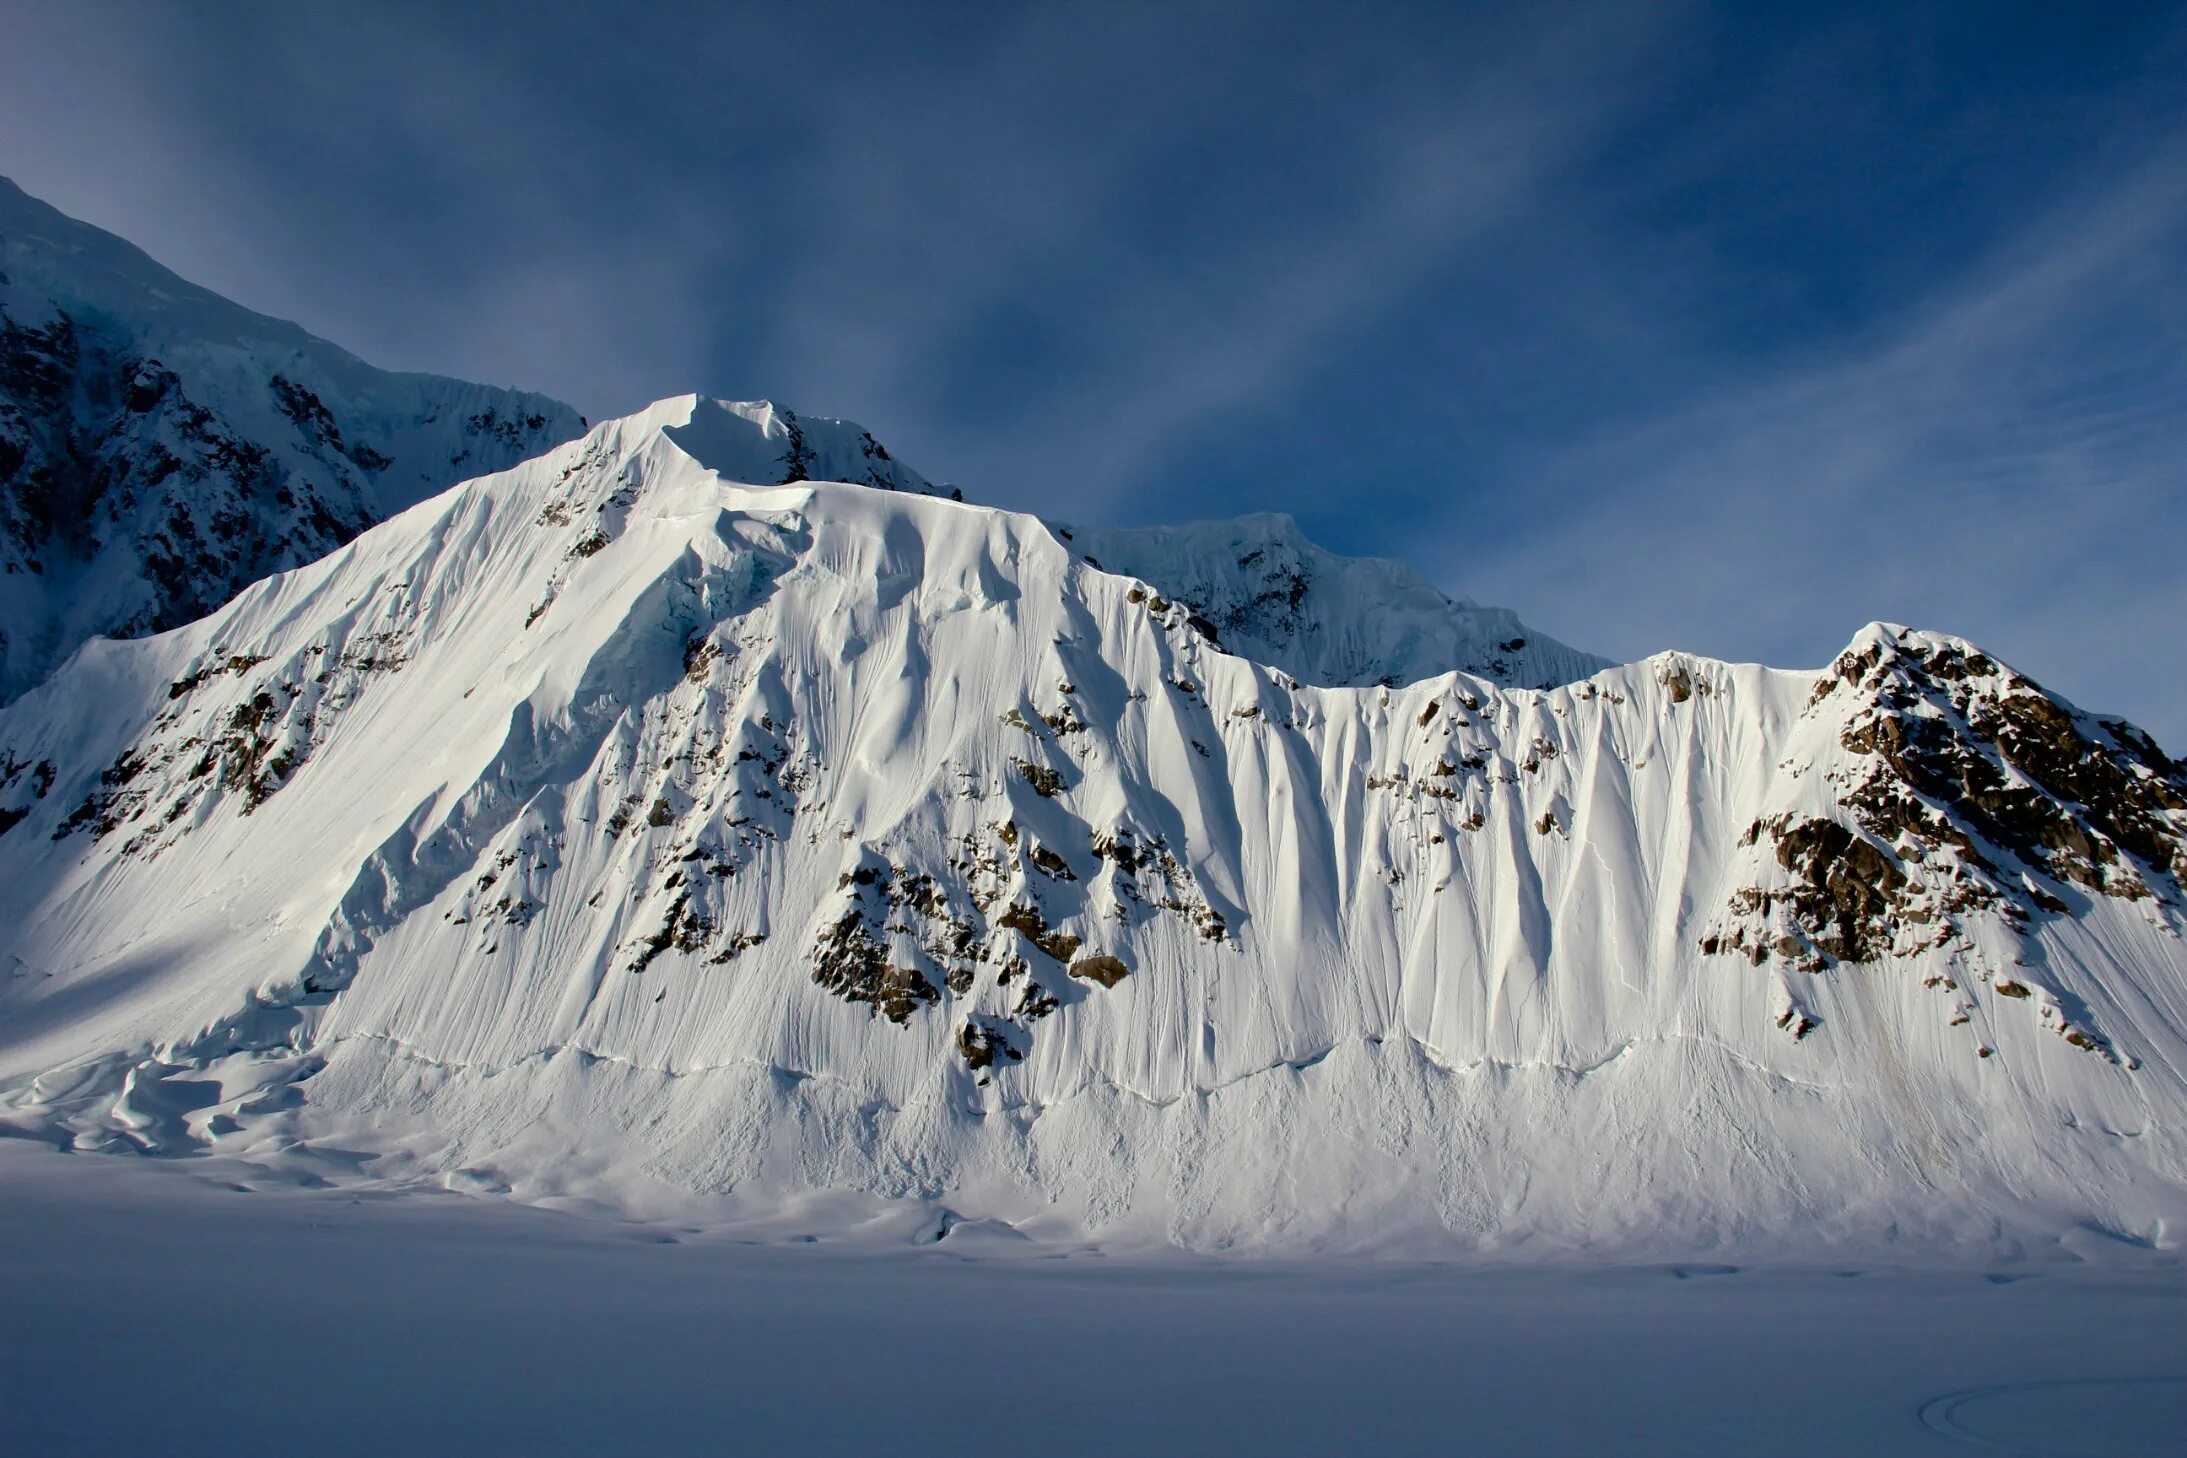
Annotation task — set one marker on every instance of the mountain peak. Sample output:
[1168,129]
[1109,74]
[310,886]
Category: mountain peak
[761,443]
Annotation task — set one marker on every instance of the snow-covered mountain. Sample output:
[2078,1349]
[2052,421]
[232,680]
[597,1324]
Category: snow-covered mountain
[608,820]
[161,448]
[1260,589]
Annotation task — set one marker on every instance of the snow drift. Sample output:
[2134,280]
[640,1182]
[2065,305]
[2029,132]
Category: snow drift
[613,814]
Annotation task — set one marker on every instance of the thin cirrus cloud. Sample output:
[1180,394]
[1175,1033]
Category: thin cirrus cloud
[1142,340]
[426,201]
[2005,464]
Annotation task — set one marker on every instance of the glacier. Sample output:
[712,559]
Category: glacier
[621,821]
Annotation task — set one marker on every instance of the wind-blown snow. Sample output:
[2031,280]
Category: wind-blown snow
[607,813]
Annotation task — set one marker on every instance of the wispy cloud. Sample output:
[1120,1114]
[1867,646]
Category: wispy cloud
[1686,325]
[2007,463]
[1149,338]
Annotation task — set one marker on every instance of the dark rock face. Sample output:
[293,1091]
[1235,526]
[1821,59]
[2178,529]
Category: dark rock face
[1108,971]
[853,956]
[139,492]
[851,963]
[1046,781]
[983,1043]
[1968,789]
[2076,800]
[1847,897]
[102,451]
[112,468]
[903,940]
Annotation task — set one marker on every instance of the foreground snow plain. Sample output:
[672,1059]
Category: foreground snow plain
[193,1307]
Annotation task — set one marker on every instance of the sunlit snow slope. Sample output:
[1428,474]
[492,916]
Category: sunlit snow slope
[607,815]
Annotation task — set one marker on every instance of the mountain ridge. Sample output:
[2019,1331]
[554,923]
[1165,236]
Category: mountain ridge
[608,814]
[162,447]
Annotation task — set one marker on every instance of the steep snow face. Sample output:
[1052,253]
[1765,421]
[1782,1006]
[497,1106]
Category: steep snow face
[610,815]
[1263,591]
[161,448]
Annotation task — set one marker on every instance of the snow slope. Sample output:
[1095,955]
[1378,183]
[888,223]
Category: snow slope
[608,820]
[161,447]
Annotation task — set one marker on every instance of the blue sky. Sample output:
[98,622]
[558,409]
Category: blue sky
[1710,327]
